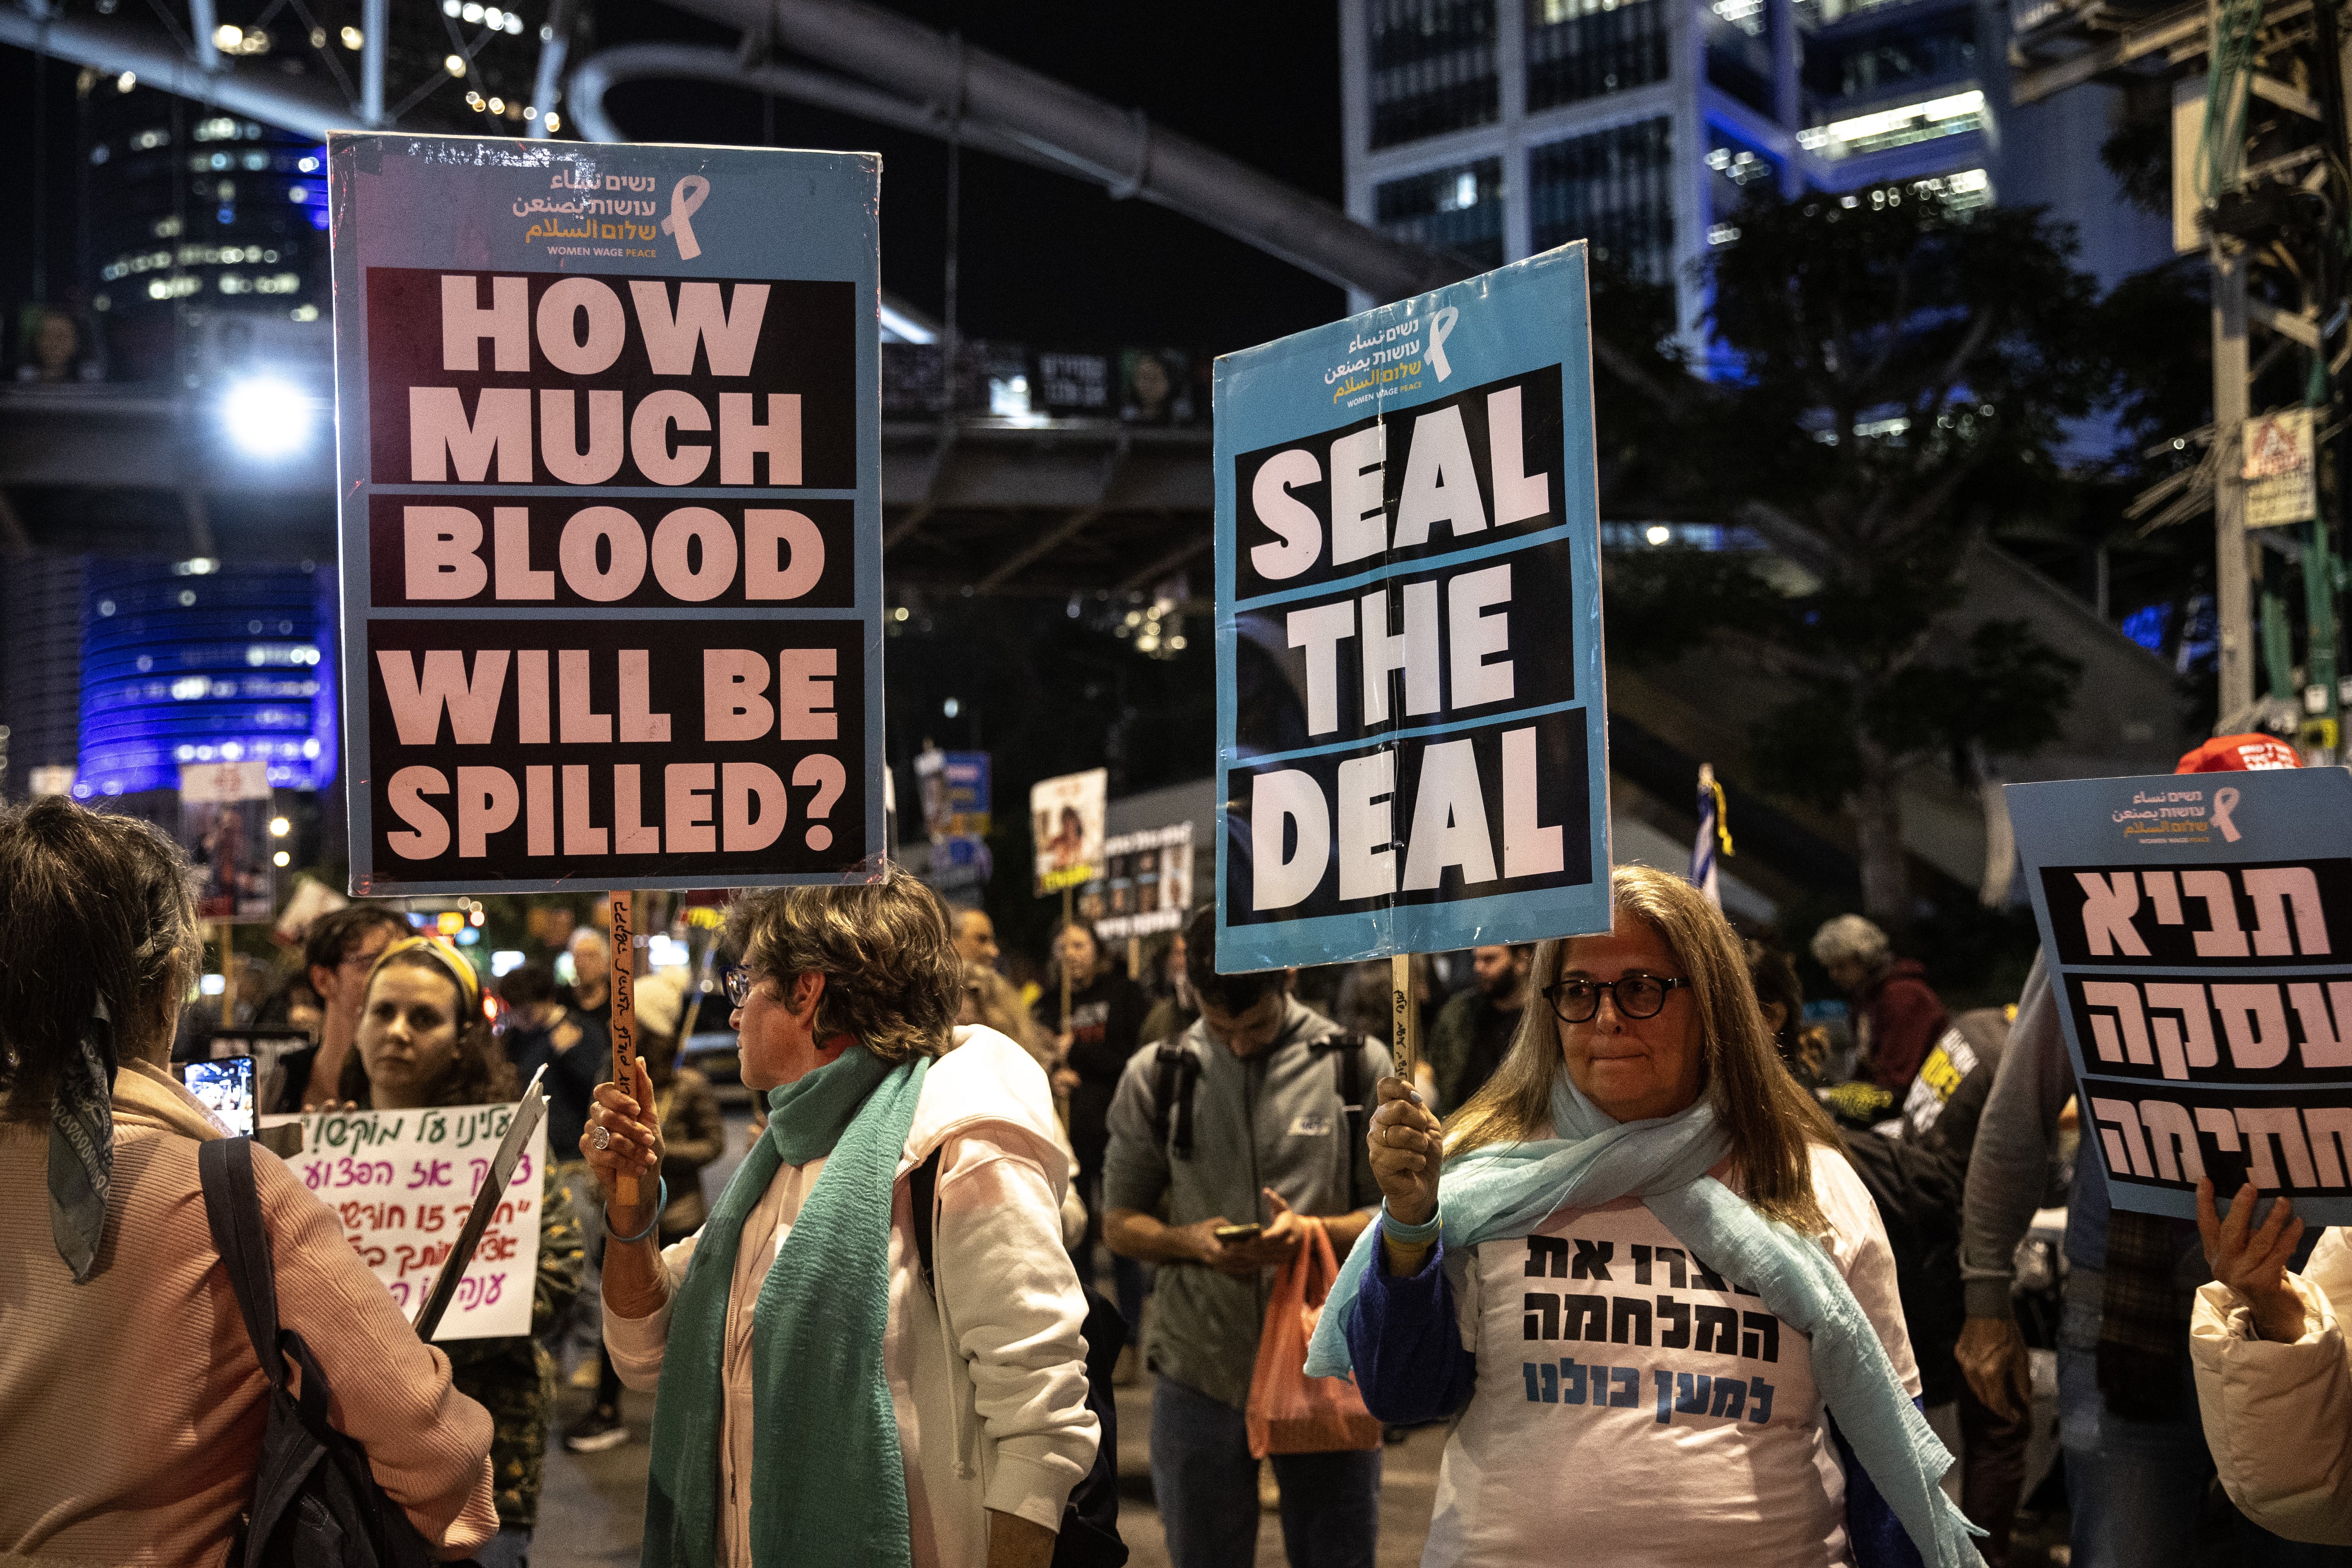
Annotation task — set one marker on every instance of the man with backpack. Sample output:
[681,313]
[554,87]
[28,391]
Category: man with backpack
[1248,1119]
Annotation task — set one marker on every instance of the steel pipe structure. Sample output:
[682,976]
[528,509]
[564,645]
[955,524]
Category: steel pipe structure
[1083,136]
[295,104]
[597,75]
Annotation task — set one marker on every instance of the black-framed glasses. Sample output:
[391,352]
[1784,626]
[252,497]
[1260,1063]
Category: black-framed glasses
[737,978]
[1637,996]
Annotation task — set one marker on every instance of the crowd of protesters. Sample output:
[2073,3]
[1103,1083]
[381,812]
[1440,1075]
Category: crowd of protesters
[1644,1138]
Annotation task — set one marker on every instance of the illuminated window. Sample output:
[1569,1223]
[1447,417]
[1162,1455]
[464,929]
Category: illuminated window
[1956,115]
[1459,209]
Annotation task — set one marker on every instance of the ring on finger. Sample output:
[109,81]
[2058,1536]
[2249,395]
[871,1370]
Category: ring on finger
[602,1137]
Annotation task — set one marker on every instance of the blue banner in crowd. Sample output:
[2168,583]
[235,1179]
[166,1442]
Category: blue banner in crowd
[2197,933]
[610,457]
[1412,739]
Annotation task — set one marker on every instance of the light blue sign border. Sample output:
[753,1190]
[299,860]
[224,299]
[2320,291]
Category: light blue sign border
[2160,821]
[1515,320]
[457,202]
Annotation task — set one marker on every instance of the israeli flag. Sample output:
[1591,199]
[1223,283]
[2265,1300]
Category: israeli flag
[1710,830]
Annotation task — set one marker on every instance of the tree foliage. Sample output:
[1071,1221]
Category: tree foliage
[1902,374]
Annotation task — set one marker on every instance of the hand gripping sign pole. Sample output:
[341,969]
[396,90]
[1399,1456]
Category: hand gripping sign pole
[1404,1027]
[625,1018]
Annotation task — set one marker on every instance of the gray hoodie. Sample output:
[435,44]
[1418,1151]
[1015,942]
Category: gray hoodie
[1276,1121]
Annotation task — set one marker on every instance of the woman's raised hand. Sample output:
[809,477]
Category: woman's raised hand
[2251,1260]
[1405,1153]
[634,1149]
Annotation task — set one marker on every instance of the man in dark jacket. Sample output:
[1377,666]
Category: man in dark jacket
[1475,1028]
[1896,1014]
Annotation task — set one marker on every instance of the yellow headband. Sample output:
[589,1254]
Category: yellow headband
[469,984]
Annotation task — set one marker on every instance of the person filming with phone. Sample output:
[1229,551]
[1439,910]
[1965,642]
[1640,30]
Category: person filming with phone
[135,1404]
[1241,1125]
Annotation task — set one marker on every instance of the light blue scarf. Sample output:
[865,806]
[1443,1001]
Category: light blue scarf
[1507,1190]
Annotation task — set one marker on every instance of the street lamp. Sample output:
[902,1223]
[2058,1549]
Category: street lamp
[266,417]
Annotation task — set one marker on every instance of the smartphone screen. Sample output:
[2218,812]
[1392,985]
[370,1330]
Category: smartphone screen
[225,1087]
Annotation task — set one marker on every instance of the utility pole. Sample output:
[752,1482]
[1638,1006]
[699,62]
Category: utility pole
[2260,184]
[2233,594]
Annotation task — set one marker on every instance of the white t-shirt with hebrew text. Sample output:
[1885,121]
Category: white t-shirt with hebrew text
[1633,1407]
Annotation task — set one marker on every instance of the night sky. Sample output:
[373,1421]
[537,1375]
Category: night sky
[1046,259]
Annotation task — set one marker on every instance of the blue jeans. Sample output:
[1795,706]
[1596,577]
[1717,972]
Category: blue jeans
[2138,1487]
[510,1548]
[1206,1486]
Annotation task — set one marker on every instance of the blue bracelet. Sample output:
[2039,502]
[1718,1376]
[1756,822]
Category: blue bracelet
[660,1202]
[1404,1235]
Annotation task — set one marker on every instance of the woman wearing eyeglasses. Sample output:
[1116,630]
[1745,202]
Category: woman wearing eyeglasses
[1645,1275]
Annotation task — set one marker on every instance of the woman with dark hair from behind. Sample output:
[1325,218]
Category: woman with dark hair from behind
[424,1043]
[134,1400]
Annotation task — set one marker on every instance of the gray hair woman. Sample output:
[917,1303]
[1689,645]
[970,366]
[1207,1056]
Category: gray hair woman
[887,1406]
[123,1454]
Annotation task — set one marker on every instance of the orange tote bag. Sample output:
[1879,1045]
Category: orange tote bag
[1289,1412]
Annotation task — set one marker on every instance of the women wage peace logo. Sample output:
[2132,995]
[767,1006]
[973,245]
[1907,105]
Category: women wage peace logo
[686,199]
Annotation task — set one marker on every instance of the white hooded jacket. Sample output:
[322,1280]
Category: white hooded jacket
[989,1377]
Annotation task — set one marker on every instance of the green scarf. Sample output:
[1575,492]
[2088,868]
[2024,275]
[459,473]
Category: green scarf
[828,1479]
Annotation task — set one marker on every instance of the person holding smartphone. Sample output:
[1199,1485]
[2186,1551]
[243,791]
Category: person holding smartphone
[1245,1130]
[134,1405]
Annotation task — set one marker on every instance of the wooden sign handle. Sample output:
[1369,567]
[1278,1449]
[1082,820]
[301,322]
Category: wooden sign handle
[625,1020]
[1405,1031]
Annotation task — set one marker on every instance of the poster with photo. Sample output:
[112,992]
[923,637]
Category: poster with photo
[1066,820]
[1146,887]
[224,828]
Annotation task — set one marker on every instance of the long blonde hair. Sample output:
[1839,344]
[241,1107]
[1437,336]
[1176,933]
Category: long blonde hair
[1768,1118]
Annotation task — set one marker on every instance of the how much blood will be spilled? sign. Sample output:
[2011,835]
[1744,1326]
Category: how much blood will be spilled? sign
[611,502]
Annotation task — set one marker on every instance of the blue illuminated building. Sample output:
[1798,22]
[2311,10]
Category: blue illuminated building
[229,665]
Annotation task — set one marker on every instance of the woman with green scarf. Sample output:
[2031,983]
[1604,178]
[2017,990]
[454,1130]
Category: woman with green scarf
[822,1402]
[1647,1284]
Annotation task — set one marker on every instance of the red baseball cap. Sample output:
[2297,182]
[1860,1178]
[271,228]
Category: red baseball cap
[2239,754]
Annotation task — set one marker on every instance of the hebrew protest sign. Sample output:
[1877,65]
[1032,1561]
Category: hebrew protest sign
[1144,885]
[403,1182]
[2197,928]
[611,504]
[1412,740]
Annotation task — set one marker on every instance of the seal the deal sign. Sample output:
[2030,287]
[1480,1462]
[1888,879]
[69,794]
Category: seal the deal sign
[610,492]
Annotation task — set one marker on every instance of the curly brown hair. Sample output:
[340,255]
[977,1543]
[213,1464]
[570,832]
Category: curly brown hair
[893,979]
[480,1076]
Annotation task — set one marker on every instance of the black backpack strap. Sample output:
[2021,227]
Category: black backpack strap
[232,1210]
[1172,1094]
[1348,1078]
[922,1203]
[241,1236]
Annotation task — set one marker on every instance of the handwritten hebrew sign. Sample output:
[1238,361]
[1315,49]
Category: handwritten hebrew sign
[401,1183]
[2198,933]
